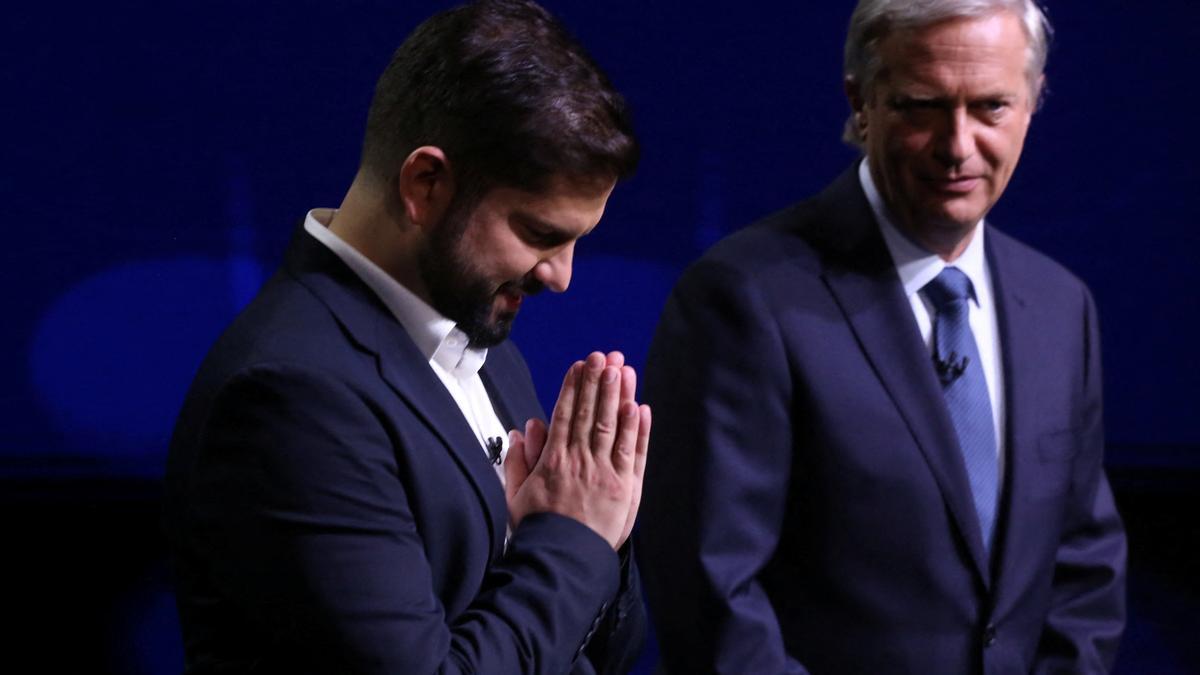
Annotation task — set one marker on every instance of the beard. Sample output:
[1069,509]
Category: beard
[460,291]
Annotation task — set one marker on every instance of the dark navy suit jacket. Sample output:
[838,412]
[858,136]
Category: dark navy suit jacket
[332,512]
[806,505]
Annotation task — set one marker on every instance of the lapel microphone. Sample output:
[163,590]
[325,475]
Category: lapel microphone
[494,445]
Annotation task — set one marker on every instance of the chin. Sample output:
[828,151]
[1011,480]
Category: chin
[497,330]
[489,337]
[501,319]
[956,215]
[950,223]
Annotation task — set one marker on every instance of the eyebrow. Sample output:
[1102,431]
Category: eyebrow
[903,97]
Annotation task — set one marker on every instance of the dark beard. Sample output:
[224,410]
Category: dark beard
[459,291]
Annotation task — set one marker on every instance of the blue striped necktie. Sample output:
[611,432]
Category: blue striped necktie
[960,371]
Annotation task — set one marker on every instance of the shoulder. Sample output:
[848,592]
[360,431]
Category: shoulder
[786,254]
[776,246]
[286,322]
[287,340]
[835,227]
[1023,270]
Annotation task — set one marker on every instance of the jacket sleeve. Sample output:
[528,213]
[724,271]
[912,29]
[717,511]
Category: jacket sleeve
[304,520]
[620,632]
[1087,612]
[717,476]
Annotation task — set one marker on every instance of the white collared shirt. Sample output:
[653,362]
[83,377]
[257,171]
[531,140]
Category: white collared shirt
[438,338]
[917,267]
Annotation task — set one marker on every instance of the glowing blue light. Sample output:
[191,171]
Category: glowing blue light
[112,358]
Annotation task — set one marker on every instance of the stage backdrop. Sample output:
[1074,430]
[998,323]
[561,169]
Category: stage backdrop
[159,154]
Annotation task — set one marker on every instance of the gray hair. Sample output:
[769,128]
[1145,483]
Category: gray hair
[874,20]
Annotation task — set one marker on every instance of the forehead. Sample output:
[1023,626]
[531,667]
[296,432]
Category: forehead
[991,48]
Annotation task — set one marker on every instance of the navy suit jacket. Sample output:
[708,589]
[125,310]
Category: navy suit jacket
[331,510]
[806,506]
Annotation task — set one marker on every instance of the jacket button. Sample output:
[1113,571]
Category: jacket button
[989,635]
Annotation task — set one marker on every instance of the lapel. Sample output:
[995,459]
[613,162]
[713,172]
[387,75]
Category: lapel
[509,386]
[499,388]
[373,329]
[1019,329]
[860,274]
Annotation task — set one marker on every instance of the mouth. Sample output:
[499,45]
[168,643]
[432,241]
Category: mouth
[959,185]
[509,300]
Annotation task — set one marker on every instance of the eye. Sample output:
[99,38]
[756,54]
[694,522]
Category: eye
[918,111]
[906,104]
[993,107]
[539,236]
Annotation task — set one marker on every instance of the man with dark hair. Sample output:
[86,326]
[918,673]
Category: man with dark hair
[335,496]
[878,444]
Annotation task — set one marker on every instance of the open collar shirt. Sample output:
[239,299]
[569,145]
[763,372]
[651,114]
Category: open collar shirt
[916,267]
[443,344]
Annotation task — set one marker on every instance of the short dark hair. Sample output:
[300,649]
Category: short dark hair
[507,93]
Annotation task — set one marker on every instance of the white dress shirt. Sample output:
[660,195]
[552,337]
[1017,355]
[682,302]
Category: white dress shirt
[917,267]
[438,338]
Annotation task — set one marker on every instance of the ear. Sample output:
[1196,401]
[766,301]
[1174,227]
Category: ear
[854,95]
[1038,94]
[426,186]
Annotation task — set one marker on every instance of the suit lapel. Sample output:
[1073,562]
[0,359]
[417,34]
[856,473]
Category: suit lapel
[1019,331]
[408,373]
[861,276]
[401,365]
[498,391]
[507,380]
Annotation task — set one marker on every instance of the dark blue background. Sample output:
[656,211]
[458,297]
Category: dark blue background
[157,155]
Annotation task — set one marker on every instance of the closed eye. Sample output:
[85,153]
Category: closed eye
[540,235]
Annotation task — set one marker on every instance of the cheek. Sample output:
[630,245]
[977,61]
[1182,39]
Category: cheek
[1001,147]
[907,146]
[510,259]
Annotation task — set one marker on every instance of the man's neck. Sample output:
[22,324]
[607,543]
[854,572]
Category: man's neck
[372,226]
[948,241]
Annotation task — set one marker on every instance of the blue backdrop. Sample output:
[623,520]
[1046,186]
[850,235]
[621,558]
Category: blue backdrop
[158,154]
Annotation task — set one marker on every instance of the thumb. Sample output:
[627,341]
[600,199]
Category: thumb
[515,468]
[534,441]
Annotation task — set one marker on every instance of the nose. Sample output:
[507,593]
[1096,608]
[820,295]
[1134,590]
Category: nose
[554,271]
[955,140]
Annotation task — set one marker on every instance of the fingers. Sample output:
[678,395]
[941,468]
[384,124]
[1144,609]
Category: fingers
[633,440]
[516,469]
[625,445]
[588,463]
[641,447]
[628,386]
[643,441]
[535,441]
[589,412]
[615,359]
[587,399]
[628,383]
[564,409]
[608,401]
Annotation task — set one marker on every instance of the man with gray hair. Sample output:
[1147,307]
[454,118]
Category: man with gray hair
[878,439]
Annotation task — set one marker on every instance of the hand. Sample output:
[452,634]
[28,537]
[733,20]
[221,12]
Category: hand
[527,447]
[589,464]
[534,438]
[523,453]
